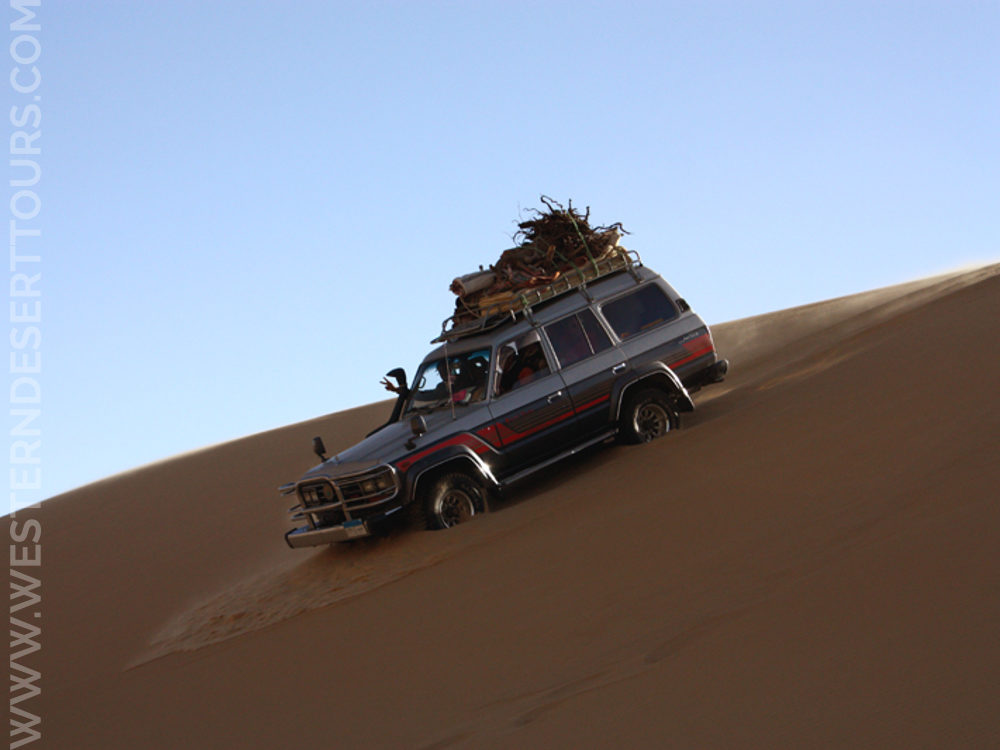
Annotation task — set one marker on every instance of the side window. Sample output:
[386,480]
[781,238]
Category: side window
[568,340]
[639,311]
[577,337]
[520,362]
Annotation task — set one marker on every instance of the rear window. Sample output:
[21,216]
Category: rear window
[641,310]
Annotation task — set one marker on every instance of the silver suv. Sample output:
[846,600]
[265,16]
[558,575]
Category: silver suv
[509,394]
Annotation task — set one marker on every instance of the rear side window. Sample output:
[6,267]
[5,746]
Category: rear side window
[640,311]
[577,337]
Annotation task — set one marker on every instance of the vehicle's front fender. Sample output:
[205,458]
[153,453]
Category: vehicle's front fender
[463,452]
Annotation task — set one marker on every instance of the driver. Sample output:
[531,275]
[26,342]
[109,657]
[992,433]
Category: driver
[451,382]
[463,377]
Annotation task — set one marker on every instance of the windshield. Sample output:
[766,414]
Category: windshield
[462,379]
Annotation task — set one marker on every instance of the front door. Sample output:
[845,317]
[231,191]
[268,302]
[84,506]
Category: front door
[531,408]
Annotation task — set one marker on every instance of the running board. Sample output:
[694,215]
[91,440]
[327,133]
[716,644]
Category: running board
[565,454]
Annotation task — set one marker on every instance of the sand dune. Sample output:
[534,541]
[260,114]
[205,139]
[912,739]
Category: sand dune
[811,561]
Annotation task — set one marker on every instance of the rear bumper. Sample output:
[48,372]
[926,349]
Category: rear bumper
[717,372]
[714,373]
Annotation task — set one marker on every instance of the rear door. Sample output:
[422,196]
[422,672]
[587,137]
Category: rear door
[589,363]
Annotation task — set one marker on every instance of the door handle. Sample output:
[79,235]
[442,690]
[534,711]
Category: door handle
[555,397]
[620,367]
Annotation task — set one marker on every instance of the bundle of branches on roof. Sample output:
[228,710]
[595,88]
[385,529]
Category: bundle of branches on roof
[556,241]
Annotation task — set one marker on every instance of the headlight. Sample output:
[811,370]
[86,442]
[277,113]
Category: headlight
[369,487]
[312,495]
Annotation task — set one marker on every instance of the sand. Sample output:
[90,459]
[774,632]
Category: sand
[811,561]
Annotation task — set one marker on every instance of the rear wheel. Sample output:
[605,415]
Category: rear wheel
[452,499]
[647,415]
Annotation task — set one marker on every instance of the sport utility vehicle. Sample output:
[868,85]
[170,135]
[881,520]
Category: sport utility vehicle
[617,352]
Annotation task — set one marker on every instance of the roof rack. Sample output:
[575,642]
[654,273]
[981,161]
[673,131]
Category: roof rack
[521,301]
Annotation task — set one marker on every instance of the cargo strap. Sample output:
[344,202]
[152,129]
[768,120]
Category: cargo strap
[585,246]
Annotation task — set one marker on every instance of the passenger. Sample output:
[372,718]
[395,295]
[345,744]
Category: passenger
[442,372]
[390,386]
[506,361]
[532,365]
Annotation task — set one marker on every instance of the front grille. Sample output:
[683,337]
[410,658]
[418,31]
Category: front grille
[370,487]
[330,517]
[353,496]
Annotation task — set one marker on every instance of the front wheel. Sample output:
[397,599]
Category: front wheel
[452,499]
[647,415]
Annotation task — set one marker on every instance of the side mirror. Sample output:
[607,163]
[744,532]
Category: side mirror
[418,426]
[319,449]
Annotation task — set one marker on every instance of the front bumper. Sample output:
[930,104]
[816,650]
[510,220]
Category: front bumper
[306,537]
[353,528]
[341,508]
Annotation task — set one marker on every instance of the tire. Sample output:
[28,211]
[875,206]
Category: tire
[452,499]
[647,415]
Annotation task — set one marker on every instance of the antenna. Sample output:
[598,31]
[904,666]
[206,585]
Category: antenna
[447,377]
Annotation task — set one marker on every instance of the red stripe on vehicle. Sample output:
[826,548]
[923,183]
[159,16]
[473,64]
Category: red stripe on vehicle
[697,343]
[592,404]
[510,436]
[489,434]
[701,353]
[477,446]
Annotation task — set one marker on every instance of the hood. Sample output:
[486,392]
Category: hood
[382,447]
[385,446]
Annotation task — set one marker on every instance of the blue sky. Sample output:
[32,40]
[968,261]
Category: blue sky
[251,211]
